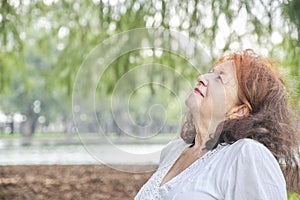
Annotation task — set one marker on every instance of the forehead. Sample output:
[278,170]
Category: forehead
[226,66]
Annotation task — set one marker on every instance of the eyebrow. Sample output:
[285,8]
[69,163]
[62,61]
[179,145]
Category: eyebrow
[212,69]
[217,70]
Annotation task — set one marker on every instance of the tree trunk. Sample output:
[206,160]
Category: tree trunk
[28,126]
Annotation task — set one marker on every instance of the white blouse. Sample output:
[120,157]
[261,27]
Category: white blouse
[245,170]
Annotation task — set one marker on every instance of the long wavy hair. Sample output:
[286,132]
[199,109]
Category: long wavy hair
[269,122]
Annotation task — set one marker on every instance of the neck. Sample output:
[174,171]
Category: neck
[204,131]
[202,135]
[200,141]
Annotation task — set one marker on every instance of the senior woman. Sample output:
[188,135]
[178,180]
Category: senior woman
[236,134]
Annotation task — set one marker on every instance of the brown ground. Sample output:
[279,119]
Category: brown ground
[65,182]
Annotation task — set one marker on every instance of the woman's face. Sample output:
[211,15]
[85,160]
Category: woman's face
[215,96]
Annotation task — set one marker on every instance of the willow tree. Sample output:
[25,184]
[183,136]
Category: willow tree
[62,33]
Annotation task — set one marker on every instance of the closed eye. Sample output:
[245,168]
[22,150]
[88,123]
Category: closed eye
[219,78]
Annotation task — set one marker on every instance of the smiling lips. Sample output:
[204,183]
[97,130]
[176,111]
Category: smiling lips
[196,90]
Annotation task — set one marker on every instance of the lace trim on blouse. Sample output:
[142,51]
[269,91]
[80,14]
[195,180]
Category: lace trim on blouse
[153,190]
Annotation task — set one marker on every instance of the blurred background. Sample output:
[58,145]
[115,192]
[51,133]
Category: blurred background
[44,43]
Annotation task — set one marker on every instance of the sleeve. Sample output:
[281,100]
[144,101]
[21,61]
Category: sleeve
[255,175]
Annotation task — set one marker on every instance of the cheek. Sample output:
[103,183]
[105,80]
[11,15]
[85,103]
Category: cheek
[231,98]
[218,102]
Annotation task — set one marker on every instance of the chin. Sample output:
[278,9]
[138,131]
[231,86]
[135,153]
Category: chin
[193,102]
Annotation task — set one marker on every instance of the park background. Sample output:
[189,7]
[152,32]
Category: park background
[44,44]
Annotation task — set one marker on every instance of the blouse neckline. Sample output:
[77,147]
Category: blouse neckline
[168,167]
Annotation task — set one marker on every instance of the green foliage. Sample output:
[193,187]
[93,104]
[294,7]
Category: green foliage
[293,196]
[54,38]
[66,29]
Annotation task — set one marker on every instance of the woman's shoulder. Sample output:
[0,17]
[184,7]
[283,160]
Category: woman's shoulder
[251,169]
[247,144]
[172,150]
[250,149]
[178,142]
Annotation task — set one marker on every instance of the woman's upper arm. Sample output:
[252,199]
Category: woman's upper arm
[255,175]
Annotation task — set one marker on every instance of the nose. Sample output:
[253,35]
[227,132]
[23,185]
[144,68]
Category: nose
[201,80]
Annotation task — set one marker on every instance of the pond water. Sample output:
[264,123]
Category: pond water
[12,153]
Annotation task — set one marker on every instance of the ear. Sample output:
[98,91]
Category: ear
[239,112]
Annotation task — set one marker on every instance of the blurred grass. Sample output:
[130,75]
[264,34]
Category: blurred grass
[293,196]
